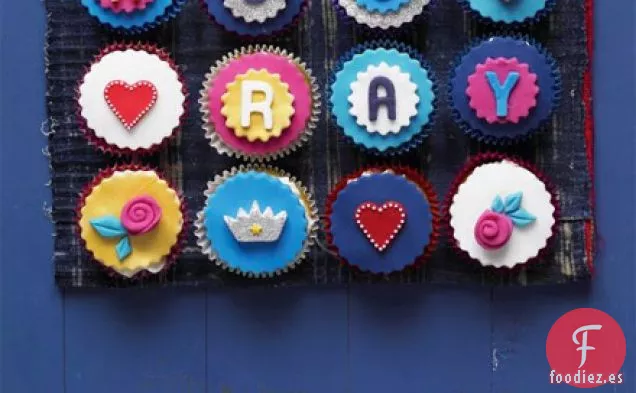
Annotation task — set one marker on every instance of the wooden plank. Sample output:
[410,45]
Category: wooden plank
[411,339]
[523,318]
[135,341]
[31,320]
[277,341]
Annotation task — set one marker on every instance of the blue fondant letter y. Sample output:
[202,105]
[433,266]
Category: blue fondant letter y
[502,92]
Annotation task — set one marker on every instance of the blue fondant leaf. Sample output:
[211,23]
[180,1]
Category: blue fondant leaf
[108,226]
[513,202]
[521,217]
[123,248]
[497,205]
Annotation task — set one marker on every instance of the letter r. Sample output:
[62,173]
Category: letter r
[264,107]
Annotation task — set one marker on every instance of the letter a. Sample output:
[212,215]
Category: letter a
[502,92]
[248,106]
[388,99]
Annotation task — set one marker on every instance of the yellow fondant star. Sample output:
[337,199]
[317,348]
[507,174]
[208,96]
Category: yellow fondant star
[256,229]
[257,105]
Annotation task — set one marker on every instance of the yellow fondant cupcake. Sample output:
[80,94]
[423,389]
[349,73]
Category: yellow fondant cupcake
[131,220]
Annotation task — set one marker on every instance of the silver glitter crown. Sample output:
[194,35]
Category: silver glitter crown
[256,227]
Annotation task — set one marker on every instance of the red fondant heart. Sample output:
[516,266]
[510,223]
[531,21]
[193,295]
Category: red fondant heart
[380,224]
[130,102]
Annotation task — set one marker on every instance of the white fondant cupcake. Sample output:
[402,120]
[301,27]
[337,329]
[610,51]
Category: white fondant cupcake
[501,211]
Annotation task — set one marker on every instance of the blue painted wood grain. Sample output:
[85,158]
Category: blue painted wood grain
[31,320]
[412,340]
[374,339]
[137,341]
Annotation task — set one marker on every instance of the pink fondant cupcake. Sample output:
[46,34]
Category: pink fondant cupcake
[259,103]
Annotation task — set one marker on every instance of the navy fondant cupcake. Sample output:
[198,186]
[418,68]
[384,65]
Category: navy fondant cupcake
[257,221]
[383,219]
[503,89]
[255,18]
[133,16]
[381,15]
[509,11]
[383,97]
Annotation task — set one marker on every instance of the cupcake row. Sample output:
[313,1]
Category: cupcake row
[260,102]
[257,18]
[259,221]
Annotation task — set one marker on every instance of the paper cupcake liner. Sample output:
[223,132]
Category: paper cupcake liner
[469,167]
[426,130]
[512,25]
[382,32]
[169,260]
[312,220]
[413,176]
[101,143]
[504,141]
[217,142]
[170,13]
[254,37]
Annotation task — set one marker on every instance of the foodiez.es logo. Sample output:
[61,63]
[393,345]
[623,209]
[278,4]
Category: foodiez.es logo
[586,348]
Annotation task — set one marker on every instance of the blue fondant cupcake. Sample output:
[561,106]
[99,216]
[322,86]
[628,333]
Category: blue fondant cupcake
[255,18]
[257,221]
[383,219]
[382,96]
[503,89]
[509,12]
[133,16]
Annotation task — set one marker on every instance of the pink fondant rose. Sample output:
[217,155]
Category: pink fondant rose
[493,230]
[140,215]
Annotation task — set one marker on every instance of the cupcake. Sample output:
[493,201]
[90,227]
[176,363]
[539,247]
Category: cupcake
[257,221]
[503,89]
[259,103]
[131,99]
[255,18]
[133,16]
[508,11]
[131,221]
[501,211]
[382,97]
[380,15]
[383,219]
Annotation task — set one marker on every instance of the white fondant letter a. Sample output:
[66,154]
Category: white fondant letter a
[264,107]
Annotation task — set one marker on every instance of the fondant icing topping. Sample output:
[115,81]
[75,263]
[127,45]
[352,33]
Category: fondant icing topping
[127,6]
[130,102]
[255,10]
[257,105]
[511,192]
[493,230]
[380,223]
[382,6]
[502,90]
[383,99]
[140,215]
[257,226]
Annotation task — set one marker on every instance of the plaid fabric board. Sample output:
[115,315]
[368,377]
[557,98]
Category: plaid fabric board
[561,150]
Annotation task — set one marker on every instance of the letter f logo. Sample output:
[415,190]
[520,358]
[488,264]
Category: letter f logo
[583,344]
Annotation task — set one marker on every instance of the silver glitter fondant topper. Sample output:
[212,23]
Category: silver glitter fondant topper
[256,227]
[255,10]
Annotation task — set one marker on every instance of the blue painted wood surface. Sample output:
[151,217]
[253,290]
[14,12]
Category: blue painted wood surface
[371,339]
